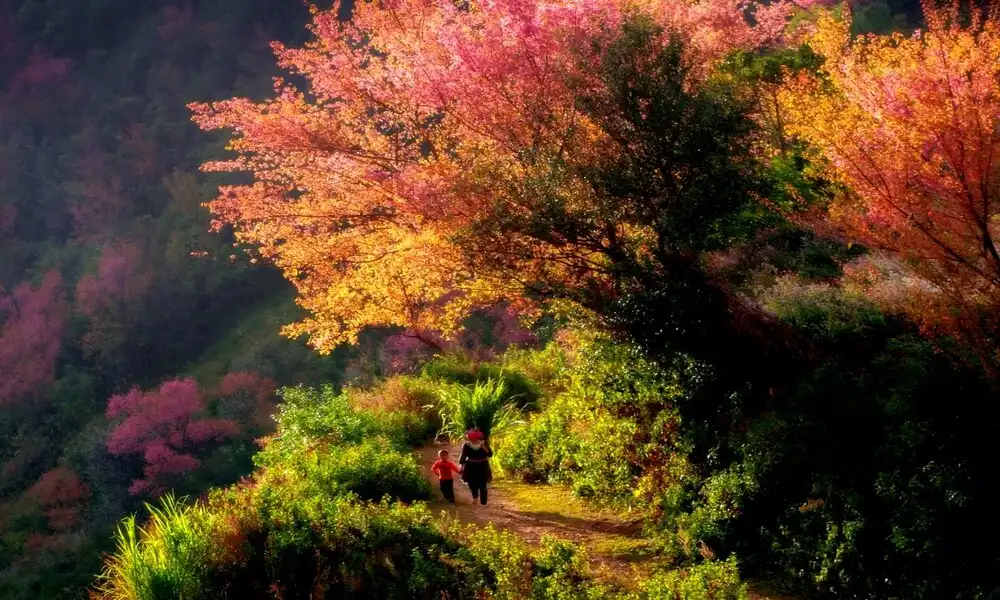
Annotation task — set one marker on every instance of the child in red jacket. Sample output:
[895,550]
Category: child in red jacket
[444,468]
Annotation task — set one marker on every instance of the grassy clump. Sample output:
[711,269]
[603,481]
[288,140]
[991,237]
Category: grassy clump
[485,405]
[710,580]
[168,558]
[370,470]
[457,369]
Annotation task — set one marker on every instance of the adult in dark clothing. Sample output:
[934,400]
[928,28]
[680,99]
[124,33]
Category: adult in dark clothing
[475,462]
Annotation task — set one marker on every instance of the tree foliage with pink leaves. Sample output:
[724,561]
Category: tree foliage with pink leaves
[247,398]
[113,301]
[164,426]
[100,200]
[62,495]
[497,329]
[419,118]
[32,320]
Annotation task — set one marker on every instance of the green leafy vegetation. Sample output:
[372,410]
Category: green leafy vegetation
[333,510]
[484,405]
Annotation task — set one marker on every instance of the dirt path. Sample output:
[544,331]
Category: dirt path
[614,545]
[617,551]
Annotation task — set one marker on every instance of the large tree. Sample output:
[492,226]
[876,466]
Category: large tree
[447,156]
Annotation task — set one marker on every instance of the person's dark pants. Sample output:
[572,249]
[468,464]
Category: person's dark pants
[448,489]
[478,489]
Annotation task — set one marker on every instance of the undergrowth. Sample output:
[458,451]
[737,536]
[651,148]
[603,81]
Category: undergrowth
[334,509]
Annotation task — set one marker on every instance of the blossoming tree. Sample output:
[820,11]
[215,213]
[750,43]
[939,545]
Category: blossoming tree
[382,189]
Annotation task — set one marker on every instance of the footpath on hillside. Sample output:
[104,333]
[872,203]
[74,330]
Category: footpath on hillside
[616,549]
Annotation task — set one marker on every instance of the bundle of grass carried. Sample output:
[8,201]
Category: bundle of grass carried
[485,405]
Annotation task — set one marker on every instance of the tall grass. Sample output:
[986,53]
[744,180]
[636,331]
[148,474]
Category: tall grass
[168,558]
[484,404]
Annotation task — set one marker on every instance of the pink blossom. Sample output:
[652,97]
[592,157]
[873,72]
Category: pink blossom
[31,327]
[163,426]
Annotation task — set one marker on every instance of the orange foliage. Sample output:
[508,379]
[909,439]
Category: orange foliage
[910,125]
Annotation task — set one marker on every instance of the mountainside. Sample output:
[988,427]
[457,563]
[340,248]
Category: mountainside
[109,277]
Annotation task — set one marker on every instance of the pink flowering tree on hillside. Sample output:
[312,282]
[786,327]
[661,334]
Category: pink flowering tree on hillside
[63,497]
[248,399]
[498,328]
[113,301]
[163,426]
[31,328]
[97,199]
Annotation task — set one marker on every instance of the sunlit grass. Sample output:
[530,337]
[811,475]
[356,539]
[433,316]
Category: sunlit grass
[485,404]
[557,499]
[167,558]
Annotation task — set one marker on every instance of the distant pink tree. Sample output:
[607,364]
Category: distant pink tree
[113,300]
[62,496]
[40,69]
[32,320]
[97,199]
[247,398]
[405,351]
[163,426]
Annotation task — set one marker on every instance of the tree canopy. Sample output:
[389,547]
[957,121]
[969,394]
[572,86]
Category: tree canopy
[420,173]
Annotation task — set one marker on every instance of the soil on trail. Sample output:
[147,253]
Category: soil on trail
[615,547]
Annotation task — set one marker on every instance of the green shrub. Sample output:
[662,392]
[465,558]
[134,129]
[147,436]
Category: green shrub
[343,549]
[500,561]
[309,418]
[825,311]
[371,470]
[712,580]
[484,404]
[613,425]
[323,414]
[545,368]
[457,369]
[281,538]
[404,398]
[542,449]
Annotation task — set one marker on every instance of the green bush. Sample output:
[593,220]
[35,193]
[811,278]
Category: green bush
[542,449]
[544,367]
[453,368]
[322,414]
[710,580]
[407,401]
[309,418]
[371,470]
[499,561]
[613,424]
[281,538]
[484,404]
